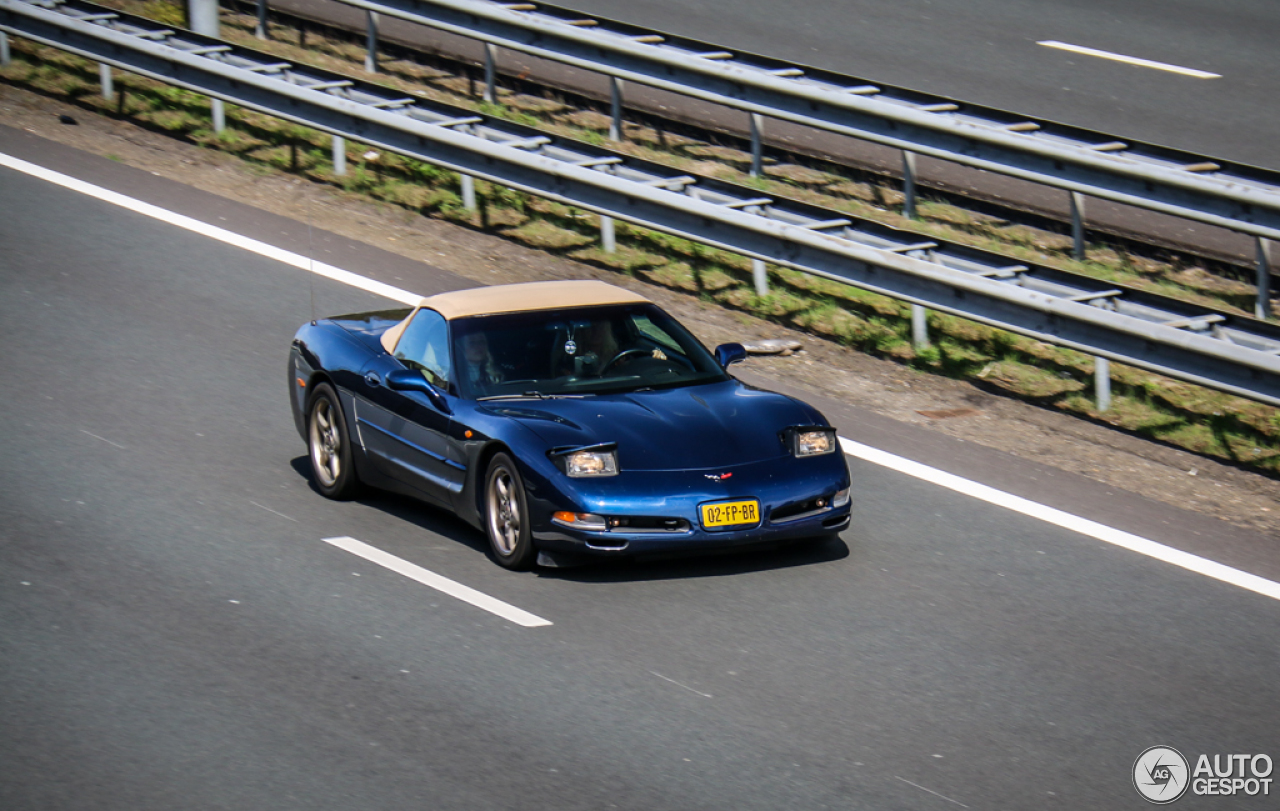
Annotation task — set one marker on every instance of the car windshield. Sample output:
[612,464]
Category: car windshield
[595,350]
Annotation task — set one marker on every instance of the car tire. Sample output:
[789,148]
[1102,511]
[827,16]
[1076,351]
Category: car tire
[506,515]
[329,445]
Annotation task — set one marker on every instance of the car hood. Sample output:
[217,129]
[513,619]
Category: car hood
[719,425]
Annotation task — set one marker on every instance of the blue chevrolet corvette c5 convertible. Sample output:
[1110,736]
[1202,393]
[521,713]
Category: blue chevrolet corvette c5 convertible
[563,419]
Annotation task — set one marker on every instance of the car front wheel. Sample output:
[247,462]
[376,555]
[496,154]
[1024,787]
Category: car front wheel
[506,515]
[329,446]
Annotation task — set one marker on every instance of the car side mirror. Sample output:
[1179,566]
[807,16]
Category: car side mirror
[409,380]
[730,353]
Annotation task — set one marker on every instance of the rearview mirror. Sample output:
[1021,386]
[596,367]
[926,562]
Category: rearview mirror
[730,353]
[409,380]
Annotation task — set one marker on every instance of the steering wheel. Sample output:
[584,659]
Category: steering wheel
[623,354]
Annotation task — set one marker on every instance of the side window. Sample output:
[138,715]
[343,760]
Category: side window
[425,347]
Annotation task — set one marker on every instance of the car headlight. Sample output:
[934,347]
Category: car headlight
[812,440]
[841,498]
[591,463]
[595,460]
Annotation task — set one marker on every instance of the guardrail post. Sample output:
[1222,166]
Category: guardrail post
[339,155]
[1077,224]
[105,79]
[491,73]
[219,113]
[607,239]
[759,270]
[261,31]
[760,275]
[1102,383]
[757,147]
[1262,306]
[615,105]
[5,57]
[908,184]
[468,192]
[919,326]
[202,17]
[371,42]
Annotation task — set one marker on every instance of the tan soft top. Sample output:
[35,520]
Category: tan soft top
[515,298]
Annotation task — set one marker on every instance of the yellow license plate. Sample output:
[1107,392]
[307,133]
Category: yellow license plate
[730,513]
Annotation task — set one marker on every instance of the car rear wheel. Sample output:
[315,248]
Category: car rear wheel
[506,515]
[329,446]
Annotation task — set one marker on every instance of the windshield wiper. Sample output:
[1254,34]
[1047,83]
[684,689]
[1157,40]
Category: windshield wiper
[528,395]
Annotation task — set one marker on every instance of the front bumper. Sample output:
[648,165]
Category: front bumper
[625,544]
[668,504]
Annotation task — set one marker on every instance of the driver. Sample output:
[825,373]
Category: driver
[596,350]
[480,369]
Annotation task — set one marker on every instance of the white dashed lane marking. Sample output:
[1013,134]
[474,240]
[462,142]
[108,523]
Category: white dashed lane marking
[439,582]
[1129,60]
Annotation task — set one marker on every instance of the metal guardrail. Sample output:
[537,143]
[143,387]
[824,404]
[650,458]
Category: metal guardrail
[1215,349]
[1235,196]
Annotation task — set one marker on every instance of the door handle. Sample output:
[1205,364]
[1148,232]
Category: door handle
[372,378]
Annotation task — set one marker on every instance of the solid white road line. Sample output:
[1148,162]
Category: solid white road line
[1129,60]
[438,582]
[1050,515]
[220,234]
[1074,523]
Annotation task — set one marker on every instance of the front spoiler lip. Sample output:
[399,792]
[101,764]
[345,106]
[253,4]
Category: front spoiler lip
[692,540]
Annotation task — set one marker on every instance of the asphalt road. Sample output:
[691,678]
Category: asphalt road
[986,52]
[176,633]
